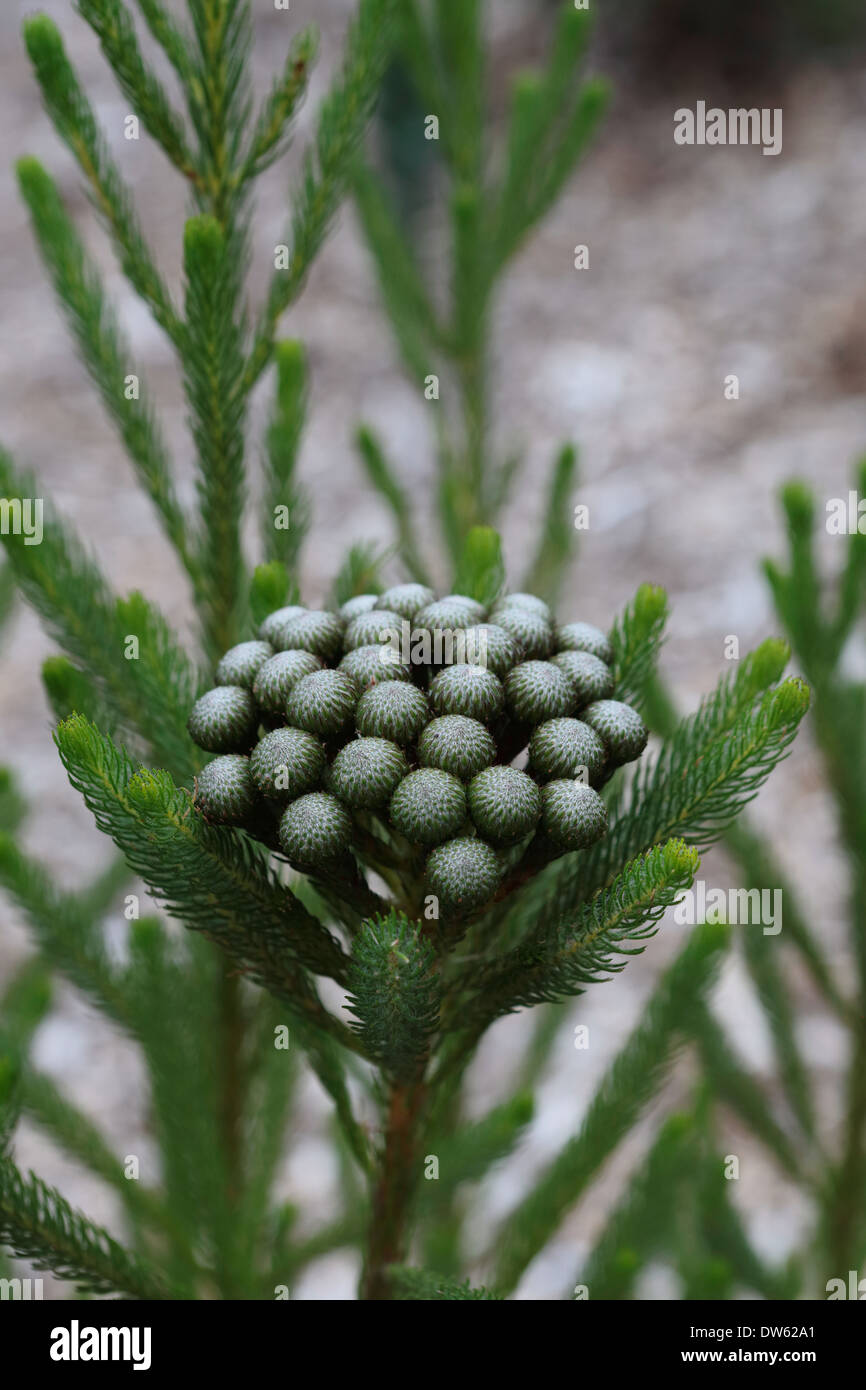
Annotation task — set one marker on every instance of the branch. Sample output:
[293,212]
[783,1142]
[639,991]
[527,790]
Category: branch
[636,638]
[713,766]
[269,139]
[394,994]
[103,349]
[213,880]
[422,1284]
[384,480]
[555,963]
[282,491]
[340,127]
[111,23]
[630,1082]
[150,696]
[39,1225]
[213,366]
[76,125]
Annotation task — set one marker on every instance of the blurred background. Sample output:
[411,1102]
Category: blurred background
[703,262]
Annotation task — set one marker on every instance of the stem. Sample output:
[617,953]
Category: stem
[395,1186]
[232,1032]
[845,1218]
[846,1202]
[231,1112]
[473,391]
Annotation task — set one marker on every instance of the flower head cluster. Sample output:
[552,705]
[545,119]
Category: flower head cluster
[414,709]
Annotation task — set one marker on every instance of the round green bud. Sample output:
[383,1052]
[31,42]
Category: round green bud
[279,675]
[445,615]
[224,720]
[428,806]
[354,607]
[463,874]
[224,790]
[366,667]
[314,830]
[537,691]
[323,702]
[371,629]
[573,815]
[476,610]
[590,677]
[468,690]
[366,771]
[273,624]
[317,631]
[532,633]
[562,747]
[394,710]
[583,637]
[489,645]
[406,599]
[241,664]
[457,745]
[528,602]
[287,762]
[504,804]
[621,729]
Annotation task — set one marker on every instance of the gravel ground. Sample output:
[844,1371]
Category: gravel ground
[703,263]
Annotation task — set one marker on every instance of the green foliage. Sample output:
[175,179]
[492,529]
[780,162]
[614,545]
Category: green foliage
[270,137]
[818,621]
[79,1137]
[382,478]
[25,1002]
[360,573]
[640,1224]
[209,878]
[627,1087]
[106,355]
[468,1155]
[10,1102]
[481,572]
[76,125]
[148,697]
[340,126]
[12,805]
[213,366]
[286,510]
[269,590]
[420,1284]
[70,692]
[491,211]
[771,986]
[709,770]
[113,27]
[562,960]
[394,993]
[734,1086]
[38,1224]
[547,572]
[66,933]
[636,639]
